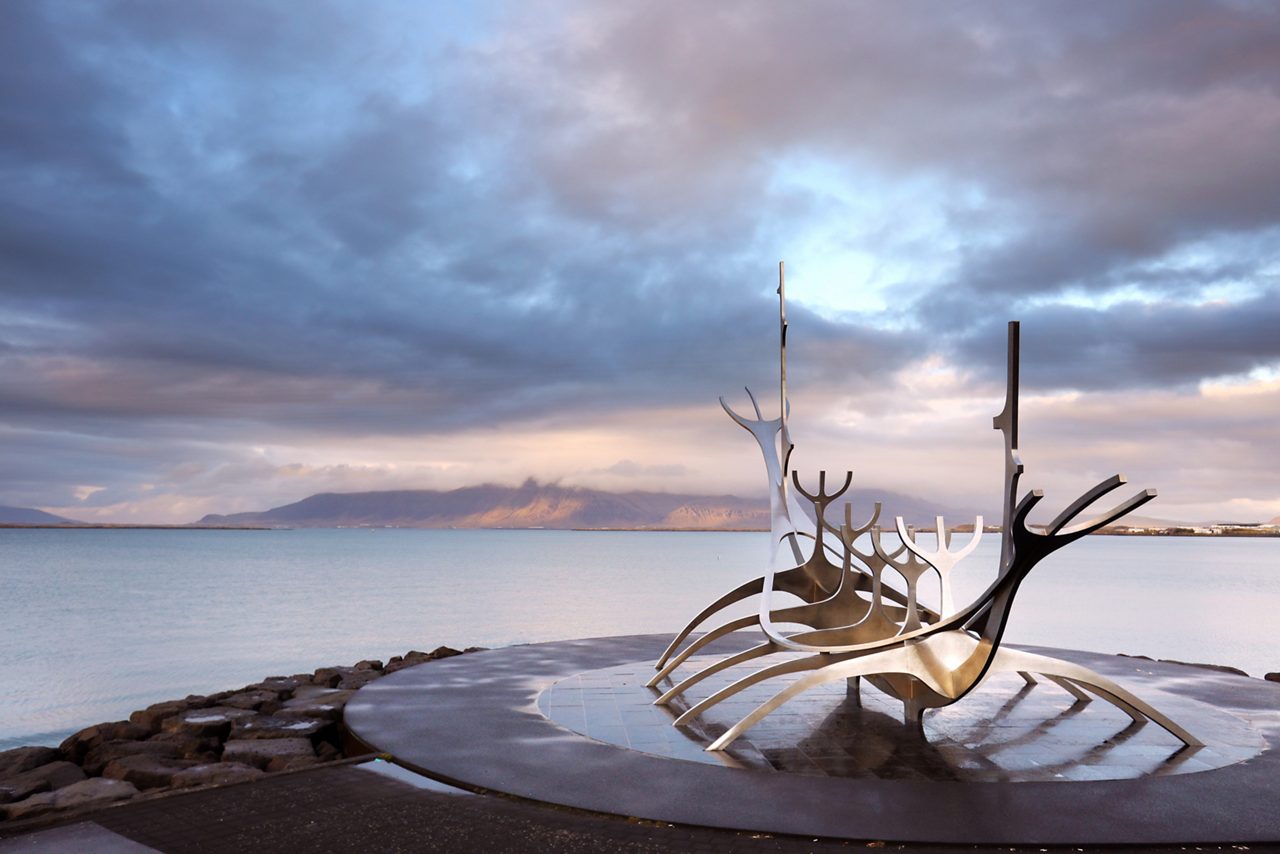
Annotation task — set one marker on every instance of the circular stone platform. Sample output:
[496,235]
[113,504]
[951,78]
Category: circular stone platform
[571,723]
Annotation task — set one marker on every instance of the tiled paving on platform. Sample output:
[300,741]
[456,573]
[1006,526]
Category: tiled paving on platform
[1006,731]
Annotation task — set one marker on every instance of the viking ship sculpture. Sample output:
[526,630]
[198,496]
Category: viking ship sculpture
[856,624]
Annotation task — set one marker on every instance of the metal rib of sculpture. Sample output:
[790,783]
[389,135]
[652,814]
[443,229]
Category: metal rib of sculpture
[855,625]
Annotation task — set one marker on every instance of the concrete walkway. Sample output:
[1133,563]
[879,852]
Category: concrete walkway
[351,808]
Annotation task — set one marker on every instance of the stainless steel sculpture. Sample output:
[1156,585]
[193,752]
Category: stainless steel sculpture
[855,624]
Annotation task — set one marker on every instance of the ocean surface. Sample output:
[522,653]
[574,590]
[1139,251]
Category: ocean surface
[97,623]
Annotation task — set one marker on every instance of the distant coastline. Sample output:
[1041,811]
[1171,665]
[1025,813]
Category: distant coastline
[1232,531]
[76,526]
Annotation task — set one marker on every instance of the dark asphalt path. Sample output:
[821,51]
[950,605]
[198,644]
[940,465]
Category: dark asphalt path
[347,808]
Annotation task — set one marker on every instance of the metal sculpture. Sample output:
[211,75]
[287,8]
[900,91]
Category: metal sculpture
[858,626]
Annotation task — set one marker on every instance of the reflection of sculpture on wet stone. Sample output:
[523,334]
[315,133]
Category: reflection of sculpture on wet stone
[855,623]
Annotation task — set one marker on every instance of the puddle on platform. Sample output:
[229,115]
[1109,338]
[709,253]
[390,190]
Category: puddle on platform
[1006,731]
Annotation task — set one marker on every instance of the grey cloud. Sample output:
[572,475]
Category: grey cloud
[1133,345]
[224,221]
[1116,135]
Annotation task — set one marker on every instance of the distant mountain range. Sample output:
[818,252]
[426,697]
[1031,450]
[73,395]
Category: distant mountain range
[537,505]
[29,516]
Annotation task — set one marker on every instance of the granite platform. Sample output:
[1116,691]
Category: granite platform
[570,723]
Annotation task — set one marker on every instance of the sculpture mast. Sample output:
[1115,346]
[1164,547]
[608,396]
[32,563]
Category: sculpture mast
[787,447]
[1007,423]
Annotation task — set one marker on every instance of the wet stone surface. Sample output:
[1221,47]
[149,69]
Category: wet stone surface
[1006,731]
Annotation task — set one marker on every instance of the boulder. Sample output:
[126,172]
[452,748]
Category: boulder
[94,792]
[257,701]
[42,778]
[291,763]
[104,754]
[215,774]
[327,752]
[154,715]
[259,752]
[146,772]
[21,759]
[263,726]
[369,664]
[283,686]
[358,679]
[77,746]
[413,656]
[329,677]
[191,747]
[315,692]
[315,703]
[1272,677]
[214,722]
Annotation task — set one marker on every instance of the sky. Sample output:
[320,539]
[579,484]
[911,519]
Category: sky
[254,251]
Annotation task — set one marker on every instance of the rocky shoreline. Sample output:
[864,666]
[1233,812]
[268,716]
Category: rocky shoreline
[280,724]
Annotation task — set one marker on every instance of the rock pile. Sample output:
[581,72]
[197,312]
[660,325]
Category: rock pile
[279,724]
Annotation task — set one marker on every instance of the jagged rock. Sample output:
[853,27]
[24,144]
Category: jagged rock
[358,679]
[205,749]
[154,716]
[329,677]
[475,649]
[211,722]
[315,703]
[1221,668]
[215,774]
[413,656]
[369,664]
[1272,677]
[98,758]
[283,686]
[316,692]
[257,701]
[443,652]
[259,752]
[21,759]
[94,792]
[146,772]
[42,778]
[77,746]
[314,729]
[291,763]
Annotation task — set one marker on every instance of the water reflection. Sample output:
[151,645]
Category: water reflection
[1007,730]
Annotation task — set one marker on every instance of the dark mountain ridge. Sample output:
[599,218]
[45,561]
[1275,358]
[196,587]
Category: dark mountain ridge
[536,505]
[31,516]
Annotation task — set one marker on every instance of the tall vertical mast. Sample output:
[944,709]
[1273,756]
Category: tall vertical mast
[787,447]
[1007,423]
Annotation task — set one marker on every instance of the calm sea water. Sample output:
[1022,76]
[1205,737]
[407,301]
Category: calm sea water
[97,623]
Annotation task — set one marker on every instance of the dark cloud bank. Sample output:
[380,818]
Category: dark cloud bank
[227,224]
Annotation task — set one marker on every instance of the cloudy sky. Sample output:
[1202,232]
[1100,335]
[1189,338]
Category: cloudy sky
[249,252]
